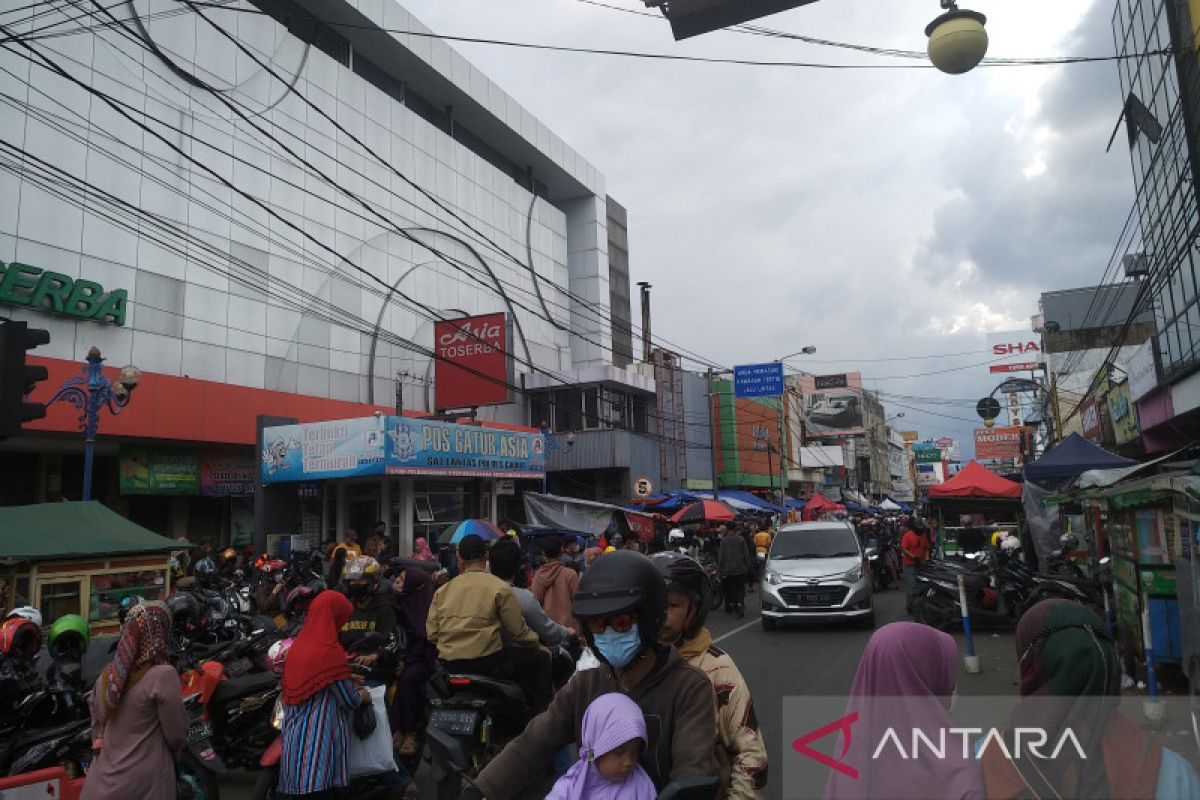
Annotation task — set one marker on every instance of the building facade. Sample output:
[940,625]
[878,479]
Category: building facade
[268,209]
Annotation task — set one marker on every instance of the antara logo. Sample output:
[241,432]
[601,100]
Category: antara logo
[1007,349]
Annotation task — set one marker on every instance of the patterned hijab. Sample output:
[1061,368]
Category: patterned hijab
[421,550]
[143,644]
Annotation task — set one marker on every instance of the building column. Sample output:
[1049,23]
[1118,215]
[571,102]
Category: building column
[404,529]
[341,510]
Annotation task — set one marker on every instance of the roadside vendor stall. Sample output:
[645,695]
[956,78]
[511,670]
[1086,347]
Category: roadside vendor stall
[80,558]
[975,490]
[594,518]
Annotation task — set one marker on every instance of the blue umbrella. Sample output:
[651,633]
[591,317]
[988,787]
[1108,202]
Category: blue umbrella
[484,529]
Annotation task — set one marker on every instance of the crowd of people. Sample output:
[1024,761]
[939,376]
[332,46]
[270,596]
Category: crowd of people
[661,700]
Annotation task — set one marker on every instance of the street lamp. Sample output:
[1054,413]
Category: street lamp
[897,416]
[783,465]
[90,392]
[957,39]
[552,445]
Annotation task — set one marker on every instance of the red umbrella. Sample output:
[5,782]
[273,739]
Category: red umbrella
[705,511]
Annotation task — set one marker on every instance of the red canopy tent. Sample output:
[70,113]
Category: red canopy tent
[817,505]
[976,481]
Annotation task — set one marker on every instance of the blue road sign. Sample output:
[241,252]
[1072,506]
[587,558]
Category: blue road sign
[758,380]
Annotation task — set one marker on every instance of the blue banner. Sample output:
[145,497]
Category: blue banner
[758,380]
[398,446]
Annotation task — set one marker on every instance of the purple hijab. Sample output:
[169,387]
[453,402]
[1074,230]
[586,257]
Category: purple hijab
[609,722]
[905,678]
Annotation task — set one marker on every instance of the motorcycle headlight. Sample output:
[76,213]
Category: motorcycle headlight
[853,574]
[774,578]
[277,715]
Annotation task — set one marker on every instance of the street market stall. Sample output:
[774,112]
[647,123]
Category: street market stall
[975,490]
[80,558]
[570,513]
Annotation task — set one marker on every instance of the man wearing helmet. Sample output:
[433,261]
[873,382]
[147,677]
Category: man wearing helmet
[372,615]
[741,753]
[622,601]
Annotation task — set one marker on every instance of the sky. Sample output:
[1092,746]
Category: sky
[888,217]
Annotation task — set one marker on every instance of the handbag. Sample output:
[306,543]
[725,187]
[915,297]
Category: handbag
[364,721]
[373,754]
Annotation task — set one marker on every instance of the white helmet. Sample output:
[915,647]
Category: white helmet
[675,535]
[27,612]
[1010,544]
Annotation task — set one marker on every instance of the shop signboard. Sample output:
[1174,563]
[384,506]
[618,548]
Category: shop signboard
[1142,377]
[1121,412]
[1089,416]
[929,474]
[927,455]
[159,470]
[1014,351]
[56,293]
[833,411]
[343,448]
[226,474]
[758,380]
[427,447]
[999,442]
[474,364]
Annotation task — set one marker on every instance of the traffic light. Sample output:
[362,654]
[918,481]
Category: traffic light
[693,17]
[18,379]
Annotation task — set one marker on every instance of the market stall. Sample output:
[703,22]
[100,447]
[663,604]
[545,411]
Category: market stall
[975,491]
[80,558]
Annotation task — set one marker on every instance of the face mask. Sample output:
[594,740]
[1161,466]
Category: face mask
[619,649]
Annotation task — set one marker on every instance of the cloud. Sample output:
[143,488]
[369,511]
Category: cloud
[873,214]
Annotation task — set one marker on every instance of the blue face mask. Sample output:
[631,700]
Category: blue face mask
[619,649]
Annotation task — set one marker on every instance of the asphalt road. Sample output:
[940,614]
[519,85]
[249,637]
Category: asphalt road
[809,660]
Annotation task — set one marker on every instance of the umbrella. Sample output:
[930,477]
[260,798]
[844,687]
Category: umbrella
[705,511]
[484,529]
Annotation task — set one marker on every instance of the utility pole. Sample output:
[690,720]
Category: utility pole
[783,465]
[712,434]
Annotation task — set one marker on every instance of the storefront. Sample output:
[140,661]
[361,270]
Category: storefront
[416,475]
[79,558]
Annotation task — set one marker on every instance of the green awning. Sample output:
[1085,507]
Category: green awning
[73,530]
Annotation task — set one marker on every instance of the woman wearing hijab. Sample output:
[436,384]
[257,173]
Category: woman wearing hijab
[613,736]
[1070,678]
[319,699]
[413,595]
[138,720]
[905,680]
[421,550]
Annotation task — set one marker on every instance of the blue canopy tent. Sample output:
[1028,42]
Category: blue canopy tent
[794,505]
[1072,457]
[744,501]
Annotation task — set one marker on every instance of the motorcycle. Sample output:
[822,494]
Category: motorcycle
[996,596]
[448,750]
[49,725]
[716,588]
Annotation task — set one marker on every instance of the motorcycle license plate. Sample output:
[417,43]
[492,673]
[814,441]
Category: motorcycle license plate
[199,731]
[460,723]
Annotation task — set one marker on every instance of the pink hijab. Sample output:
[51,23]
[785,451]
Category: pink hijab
[905,678]
[609,722]
[421,550]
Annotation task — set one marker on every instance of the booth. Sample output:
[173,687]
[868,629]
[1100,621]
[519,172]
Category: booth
[80,558]
[975,490]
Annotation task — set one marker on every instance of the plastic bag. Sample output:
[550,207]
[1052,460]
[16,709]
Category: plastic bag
[587,661]
[373,755]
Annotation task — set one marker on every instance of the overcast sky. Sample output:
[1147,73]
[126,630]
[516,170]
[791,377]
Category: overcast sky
[874,214]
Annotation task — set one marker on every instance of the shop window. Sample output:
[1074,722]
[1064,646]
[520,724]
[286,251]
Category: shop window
[641,415]
[617,409]
[59,599]
[591,408]
[568,410]
[109,590]
[436,504]
[540,410]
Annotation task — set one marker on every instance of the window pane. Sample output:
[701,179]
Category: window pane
[591,408]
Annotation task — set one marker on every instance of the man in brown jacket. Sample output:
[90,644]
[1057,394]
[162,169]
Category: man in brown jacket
[554,584]
[465,620]
[622,602]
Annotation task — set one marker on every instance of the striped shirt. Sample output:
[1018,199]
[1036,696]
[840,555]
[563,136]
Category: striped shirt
[316,740]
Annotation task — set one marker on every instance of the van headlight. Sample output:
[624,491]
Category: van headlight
[853,574]
[277,715]
[774,578]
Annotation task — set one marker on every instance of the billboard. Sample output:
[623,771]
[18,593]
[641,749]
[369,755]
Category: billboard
[158,470]
[999,442]
[833,411]
[1142,377]
[1014,351]
[473,361]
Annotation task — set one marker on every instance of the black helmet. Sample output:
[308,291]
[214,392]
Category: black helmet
[186,610]
[685,576]
[619,582]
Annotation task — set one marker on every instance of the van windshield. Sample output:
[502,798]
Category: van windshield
[814,543]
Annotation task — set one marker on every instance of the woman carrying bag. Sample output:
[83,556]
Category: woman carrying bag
[138,720]
[319,700]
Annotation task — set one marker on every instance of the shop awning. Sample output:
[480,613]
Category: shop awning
[976,481]
[73,530]
[1074,456]
[743,501]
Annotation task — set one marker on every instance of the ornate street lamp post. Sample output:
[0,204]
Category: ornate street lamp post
[91,392]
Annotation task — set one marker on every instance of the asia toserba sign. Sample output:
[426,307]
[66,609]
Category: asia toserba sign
[1014,351]
[999,442]
[474,364]
[44,290]
[391,445]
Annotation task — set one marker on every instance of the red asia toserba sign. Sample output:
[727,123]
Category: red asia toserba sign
[474,366]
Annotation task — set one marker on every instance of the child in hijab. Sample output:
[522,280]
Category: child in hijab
[614,734]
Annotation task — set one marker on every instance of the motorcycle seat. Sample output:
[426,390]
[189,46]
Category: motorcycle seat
[235,688]
[46,734]
[494,686]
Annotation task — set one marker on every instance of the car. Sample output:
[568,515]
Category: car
[816,571]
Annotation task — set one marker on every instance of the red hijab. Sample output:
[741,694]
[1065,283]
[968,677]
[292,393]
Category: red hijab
[317,659]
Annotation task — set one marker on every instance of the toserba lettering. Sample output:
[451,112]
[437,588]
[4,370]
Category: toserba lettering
[25,285]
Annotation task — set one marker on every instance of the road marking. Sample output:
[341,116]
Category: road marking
[738,629]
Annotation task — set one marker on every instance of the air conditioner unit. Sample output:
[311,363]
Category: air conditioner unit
[1136,265]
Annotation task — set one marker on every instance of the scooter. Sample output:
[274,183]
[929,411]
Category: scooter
[994,598]
[449,750]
